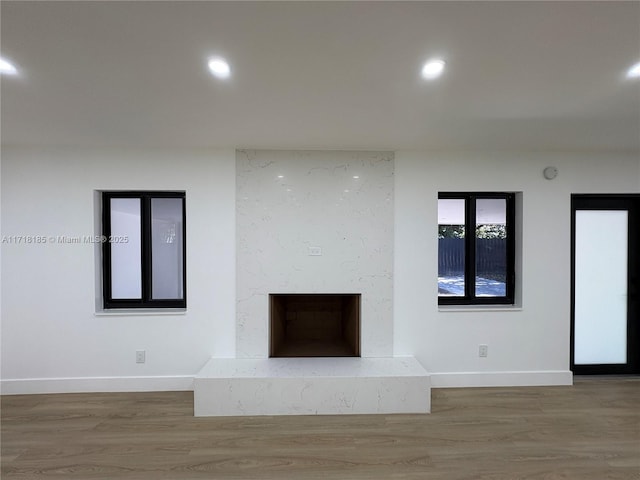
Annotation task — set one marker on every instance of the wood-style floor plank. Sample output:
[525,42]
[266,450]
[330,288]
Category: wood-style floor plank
[588,431]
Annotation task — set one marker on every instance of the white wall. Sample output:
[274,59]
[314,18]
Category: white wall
[49,327]
[527,345]
[50,332]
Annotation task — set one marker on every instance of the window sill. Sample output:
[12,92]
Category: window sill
[139,312]
[479,308]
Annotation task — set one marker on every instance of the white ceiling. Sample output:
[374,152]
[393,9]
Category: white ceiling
[331,75]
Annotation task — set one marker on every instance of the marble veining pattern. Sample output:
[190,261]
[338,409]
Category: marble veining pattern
[289,201]
[311,386]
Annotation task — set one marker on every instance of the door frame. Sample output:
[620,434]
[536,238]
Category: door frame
[631,203]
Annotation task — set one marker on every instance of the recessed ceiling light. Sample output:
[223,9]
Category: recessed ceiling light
[634,72]
[219,67]
[433,69]
[356,177]
[6,68]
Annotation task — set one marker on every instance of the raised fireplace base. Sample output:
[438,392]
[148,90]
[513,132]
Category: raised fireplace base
[311,386]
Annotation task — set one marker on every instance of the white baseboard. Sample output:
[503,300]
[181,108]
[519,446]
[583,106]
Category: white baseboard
[96,384]
[501,379]
[185,382]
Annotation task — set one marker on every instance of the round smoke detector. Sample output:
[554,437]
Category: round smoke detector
[550,173]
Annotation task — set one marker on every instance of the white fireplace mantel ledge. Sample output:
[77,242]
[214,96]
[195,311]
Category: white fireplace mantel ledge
[312,367]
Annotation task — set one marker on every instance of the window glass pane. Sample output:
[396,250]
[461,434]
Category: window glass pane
[491,247]
[451,259]
[126,274]
[601,286]
[166,249]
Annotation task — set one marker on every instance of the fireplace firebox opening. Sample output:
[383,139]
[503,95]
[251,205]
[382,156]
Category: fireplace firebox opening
[314,325]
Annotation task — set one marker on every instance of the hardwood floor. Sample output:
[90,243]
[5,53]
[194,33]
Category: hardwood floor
[588,431]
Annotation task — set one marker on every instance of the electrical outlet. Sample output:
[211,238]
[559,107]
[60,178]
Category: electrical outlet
[315,251]
[140,356]
[483,350]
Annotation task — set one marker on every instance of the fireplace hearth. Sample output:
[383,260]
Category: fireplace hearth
[314,325]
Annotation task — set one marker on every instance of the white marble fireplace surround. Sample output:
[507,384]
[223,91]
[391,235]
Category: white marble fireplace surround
[288,202]
[313,222]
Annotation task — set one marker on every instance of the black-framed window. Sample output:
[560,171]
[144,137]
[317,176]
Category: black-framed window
[476,248]
[144,249]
